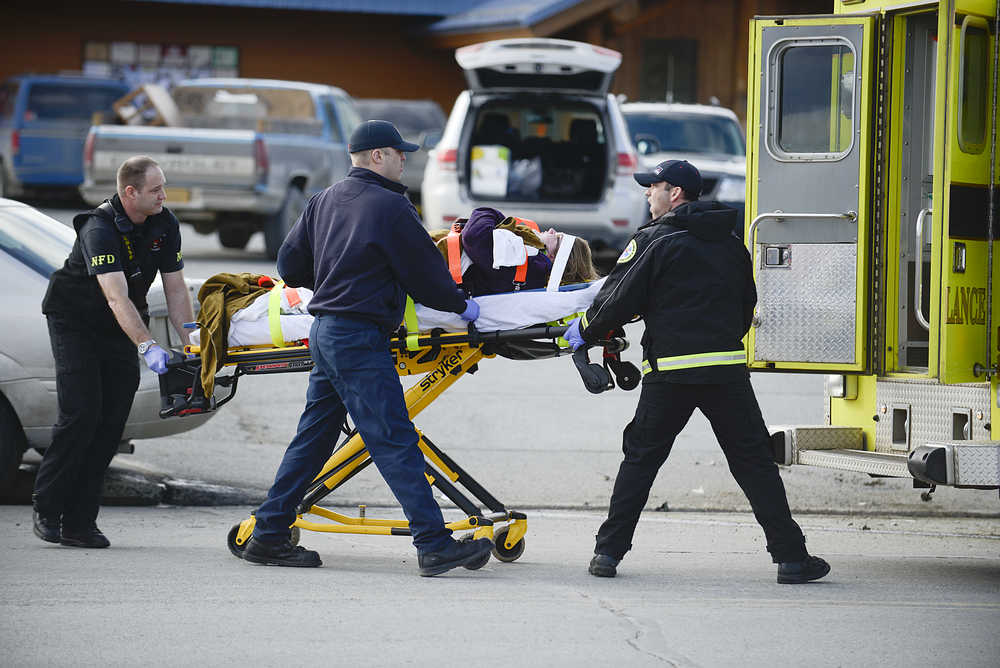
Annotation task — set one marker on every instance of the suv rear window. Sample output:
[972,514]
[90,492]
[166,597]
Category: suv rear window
[538,152]
[69,102]
[687,133]
[410,117]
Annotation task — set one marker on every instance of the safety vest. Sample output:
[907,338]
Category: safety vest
[455,254]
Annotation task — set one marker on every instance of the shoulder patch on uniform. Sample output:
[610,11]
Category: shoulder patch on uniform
[628,253]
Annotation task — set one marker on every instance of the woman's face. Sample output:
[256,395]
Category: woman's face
[551,239]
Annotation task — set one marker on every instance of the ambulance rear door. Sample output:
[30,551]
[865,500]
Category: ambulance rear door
[810,123]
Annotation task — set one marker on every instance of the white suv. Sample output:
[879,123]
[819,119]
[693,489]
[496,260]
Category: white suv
[707,136]
[537,135]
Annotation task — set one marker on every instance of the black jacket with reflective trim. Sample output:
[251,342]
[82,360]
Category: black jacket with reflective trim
[689,277]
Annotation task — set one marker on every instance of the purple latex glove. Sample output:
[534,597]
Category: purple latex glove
[156,359]
[471,311]
[572,335]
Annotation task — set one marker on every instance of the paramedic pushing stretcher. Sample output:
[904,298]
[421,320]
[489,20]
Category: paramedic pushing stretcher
[361,248]
[689,277]
[97,316]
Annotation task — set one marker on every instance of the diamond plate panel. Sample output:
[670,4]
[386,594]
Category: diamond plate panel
[806,310]
[861,462]
[977,465]
[823,437]
[931,405]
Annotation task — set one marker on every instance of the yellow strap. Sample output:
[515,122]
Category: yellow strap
[274,314]
[412,327]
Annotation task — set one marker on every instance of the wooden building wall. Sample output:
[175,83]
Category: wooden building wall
[346,50]
[719,28]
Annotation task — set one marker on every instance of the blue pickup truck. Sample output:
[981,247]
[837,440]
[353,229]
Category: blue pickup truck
[43,123]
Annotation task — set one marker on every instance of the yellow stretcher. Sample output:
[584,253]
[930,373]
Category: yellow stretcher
[442,358]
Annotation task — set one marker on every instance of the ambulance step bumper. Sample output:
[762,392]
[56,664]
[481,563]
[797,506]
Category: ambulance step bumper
[957,463]
[841,448]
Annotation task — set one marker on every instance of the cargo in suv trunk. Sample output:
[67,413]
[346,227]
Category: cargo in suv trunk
[537,149]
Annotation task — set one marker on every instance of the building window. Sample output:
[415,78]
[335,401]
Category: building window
[669,70]
[811,99]
[973,85]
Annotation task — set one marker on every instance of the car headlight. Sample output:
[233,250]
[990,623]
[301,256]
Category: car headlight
[731,189]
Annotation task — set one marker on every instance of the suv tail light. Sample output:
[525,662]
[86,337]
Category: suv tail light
[15,142]
[628,163]
[448,159]
[88,151]
[261,163]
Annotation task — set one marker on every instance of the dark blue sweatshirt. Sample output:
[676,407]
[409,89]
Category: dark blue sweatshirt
[360,246]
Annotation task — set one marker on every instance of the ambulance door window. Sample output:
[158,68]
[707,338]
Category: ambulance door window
[917,180]
[973,87]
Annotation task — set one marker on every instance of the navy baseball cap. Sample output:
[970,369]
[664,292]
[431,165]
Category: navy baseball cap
[378,134]
[675,172]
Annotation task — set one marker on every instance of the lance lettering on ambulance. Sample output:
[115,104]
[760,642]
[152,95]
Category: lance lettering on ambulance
[966,306]
[440,372]
[100,260]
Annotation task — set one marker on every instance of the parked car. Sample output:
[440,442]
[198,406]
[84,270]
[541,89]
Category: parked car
[707,136]
[32,246]
[245,157]
[419,121]
[537,135]
[43,124]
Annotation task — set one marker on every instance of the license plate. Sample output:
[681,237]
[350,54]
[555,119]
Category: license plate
[178,195]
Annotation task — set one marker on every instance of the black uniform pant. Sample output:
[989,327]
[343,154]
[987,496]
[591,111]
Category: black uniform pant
[731,408]
[97,374]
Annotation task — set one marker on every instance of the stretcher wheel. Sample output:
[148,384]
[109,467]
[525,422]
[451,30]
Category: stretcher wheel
[237,550]
[500,550]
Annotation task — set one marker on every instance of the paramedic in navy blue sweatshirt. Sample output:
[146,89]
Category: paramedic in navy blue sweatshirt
[360,246]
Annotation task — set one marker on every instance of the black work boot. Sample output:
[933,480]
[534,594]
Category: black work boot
[454,555]
[797,572]
[603,566]
[46,527]
[89,536]
[280,554]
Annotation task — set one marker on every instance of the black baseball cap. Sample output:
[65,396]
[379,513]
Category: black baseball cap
[675,172]
[378,134]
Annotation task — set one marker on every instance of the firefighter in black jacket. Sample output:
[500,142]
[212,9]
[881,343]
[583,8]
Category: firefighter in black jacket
[688,276]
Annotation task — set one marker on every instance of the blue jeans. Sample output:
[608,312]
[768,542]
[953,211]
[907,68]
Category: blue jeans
[353,372]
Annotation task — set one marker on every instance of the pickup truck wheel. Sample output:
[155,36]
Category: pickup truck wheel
[12,443]
[235,235]
[279,224]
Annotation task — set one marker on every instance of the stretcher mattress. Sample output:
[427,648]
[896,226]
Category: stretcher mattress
[513,310]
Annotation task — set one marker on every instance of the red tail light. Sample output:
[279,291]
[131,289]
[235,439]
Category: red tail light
[15,142]
[88,151]
[261,162]
[628,163]
[448,159]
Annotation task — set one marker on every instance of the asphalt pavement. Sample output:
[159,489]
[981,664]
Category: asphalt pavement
[913,581]
[698,589]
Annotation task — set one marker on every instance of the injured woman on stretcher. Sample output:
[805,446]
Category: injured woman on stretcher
[518,276]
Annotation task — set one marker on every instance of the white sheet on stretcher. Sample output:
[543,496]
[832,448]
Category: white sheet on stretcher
[512,310]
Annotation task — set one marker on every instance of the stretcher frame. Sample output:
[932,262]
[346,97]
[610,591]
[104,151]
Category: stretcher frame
[443,358]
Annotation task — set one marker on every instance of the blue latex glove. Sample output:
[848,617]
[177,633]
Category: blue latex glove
[572,335]
[471,311]
[156,359]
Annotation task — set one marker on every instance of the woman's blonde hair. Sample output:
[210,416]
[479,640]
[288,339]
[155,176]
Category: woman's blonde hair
[580,265]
